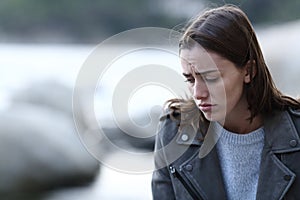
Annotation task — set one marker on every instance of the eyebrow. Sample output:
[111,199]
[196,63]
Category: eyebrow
[200,73]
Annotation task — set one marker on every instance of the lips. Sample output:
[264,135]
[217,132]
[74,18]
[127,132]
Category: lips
[205,107]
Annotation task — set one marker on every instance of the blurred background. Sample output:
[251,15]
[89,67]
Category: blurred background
[43,45]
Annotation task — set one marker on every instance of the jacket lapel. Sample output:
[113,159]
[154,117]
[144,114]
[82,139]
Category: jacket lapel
[280,137]
[274,179]
[203,169]
[205,175]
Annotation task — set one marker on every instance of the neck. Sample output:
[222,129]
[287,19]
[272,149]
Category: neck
[243,126]
[238,121]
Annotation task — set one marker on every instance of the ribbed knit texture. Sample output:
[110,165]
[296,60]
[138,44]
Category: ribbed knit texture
[240,156]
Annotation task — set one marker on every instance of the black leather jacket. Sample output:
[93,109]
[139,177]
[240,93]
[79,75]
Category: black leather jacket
[182,175]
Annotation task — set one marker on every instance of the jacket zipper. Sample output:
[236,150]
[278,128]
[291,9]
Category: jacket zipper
[189,187]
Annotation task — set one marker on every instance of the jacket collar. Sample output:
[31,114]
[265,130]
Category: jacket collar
[280,133]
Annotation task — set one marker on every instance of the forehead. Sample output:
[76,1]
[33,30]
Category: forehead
[201,59]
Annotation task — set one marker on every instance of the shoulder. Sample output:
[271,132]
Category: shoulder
[295,116]
[174,125]
[294,112]
[169,123]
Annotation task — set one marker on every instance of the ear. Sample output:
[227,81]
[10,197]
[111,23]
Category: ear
[250,71]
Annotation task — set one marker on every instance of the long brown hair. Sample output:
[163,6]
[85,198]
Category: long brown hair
[227,31]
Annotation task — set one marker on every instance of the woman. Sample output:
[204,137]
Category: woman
[237,137]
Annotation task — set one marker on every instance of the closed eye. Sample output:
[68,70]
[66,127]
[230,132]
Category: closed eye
[210,78]
[190,80]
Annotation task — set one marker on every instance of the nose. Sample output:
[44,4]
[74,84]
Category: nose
[200,90]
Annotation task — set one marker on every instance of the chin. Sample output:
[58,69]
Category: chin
[214,116]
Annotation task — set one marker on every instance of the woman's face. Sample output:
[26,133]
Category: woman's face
[215,83]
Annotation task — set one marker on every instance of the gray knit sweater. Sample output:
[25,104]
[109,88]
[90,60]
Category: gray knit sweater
[240,156]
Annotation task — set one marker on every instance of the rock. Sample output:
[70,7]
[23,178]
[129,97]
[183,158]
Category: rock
[126,141]
[48,93]
[39,146]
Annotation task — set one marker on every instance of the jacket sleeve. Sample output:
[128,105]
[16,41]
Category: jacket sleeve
[162,188]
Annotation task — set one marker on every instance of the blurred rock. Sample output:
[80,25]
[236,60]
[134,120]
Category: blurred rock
[39,147]
[129,142]
[49,93]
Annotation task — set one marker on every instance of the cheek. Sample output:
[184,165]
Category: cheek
[234,93]
[191,89]
[226,92]
[217,91]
